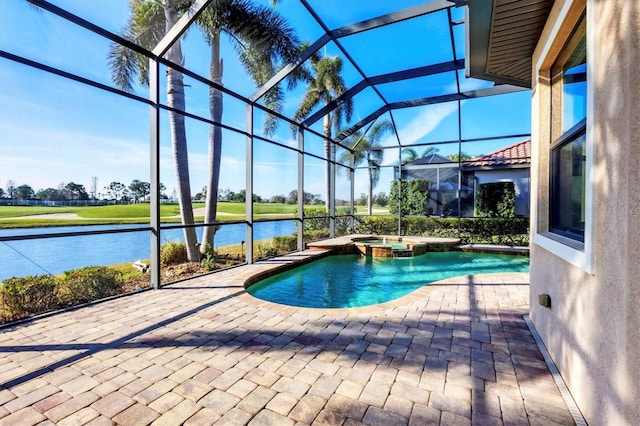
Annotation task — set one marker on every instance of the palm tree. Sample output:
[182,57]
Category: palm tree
[149,22]
[326,85]
[410,154]
[263,41]
[366,147]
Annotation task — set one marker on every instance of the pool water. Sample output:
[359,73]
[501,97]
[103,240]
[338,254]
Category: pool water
[394,244]
[354,280]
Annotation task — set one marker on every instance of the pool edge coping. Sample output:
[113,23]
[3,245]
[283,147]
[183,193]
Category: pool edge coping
[265,270]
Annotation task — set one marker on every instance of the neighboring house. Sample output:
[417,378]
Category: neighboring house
[510,164]
[580,58]
[442,175]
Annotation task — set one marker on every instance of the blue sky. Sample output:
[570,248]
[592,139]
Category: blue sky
[53,130]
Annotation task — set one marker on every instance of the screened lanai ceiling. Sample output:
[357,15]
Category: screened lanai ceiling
[397,55]
[405,54]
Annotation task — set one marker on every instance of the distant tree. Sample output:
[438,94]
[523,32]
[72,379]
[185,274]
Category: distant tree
[278,199]
[413,197]
[362,200]
[75,191]
[139,189]
[199,196]
[116,190]
[238,197]
[409,154]
[50,194]
[316,199]
[463,156]
[1,193]
[162,191]
[11,188]
[309,198]
[381,199]
[293,197]
[24,192]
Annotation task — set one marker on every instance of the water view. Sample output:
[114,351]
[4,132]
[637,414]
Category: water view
[56,255]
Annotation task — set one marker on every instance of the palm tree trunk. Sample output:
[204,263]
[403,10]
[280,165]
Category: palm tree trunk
[327,164]
[370,188]
[215,144]
[175,99]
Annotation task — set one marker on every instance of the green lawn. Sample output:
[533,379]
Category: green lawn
[13,211]
[14,216]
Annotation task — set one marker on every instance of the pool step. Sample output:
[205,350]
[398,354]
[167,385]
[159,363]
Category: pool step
[402,253]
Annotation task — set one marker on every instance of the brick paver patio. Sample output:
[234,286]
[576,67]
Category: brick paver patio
[204,352]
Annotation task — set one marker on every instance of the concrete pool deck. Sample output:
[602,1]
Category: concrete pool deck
[203,352]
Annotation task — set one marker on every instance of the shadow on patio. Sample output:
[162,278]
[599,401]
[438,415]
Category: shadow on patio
[205,352]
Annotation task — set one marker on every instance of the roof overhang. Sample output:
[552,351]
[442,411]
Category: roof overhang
[501,36]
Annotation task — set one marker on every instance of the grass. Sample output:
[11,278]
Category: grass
[13,211]
[35,216]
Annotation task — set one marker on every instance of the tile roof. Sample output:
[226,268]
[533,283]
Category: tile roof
[519,153]
[430,159]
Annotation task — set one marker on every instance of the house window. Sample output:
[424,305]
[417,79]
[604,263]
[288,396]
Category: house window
[568,151]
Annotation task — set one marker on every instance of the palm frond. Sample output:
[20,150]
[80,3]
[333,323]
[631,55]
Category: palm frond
[310,101]
[262,38]
[123,63]
[145,27]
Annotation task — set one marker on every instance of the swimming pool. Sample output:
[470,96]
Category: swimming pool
[345,281]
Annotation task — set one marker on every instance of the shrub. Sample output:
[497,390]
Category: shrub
[173,253]
[285,243]
[209,262]
[316,234]
[496,199]
[87,284]
[265,250]
[414,194]
[513,231]
[28,295]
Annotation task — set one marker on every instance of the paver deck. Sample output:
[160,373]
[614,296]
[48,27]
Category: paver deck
[204,352]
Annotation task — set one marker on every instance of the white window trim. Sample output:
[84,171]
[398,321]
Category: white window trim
[583,258]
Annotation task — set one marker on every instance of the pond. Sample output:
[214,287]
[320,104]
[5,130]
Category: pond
[56,255]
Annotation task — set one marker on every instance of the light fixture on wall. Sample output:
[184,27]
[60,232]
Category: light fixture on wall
[544,300]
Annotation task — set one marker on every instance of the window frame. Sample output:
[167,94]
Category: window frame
[579,254]
[570,136]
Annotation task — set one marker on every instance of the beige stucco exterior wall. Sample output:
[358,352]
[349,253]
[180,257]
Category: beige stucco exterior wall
[592,330]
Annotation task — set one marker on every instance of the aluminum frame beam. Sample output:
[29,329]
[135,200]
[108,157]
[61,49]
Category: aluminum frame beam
[384,79]
[392,18]
[471,94]
[180,27]
[347,30]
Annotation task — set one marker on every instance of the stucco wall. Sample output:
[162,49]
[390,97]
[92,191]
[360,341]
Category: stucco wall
[593,328]
[520,179]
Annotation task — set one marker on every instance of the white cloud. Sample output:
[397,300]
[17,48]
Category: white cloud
[425,121]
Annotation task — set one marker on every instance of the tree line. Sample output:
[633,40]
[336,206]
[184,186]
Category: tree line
[136,191]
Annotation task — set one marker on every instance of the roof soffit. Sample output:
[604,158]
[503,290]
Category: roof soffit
[501,36]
